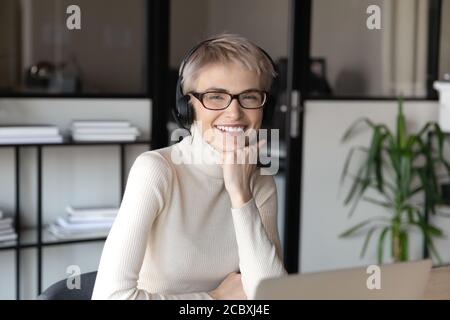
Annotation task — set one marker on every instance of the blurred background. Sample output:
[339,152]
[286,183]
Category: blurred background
[122,66]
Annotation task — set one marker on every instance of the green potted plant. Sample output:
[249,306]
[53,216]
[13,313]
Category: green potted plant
[397,169]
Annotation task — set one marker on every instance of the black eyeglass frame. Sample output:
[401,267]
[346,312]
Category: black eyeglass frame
[199,96]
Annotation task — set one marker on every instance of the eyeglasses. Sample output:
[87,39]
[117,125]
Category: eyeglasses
[213,100]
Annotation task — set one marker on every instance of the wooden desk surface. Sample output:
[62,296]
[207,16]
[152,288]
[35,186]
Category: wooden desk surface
[438,287]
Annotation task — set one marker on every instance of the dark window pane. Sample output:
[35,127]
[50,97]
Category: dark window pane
[350,59]
[39,54]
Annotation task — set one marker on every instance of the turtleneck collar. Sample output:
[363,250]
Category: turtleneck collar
[199,154]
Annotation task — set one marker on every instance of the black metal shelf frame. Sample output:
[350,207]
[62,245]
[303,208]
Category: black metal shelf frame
[40,244]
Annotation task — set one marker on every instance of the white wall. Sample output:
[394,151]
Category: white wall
[81,176]
[323,215]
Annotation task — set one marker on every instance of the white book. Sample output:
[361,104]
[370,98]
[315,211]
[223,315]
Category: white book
[62,235]
[6,221]
[8,243]
[6,231]
[36,139]
[92,211]
[5,226]
[88,234]
[62,222]
[90,219]
[62,230]
[28,130]
[100,123]
[129,130]
[7,237]
[103,137]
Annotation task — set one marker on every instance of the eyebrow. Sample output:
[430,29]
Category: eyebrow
[226,91]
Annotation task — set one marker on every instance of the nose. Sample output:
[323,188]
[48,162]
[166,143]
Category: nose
[234,110]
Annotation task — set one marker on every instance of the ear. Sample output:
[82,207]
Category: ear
[193,117]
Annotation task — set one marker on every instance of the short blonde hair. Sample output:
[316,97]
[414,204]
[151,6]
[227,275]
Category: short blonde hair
[226,48]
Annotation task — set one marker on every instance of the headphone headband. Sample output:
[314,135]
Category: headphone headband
[190,53]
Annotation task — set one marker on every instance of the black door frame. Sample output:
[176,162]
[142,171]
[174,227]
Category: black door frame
[434,39]
[298,68]
[158,26]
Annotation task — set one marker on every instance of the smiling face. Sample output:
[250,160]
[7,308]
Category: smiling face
[222,128]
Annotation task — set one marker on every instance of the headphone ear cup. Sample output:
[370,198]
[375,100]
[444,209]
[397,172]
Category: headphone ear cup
[183,110]
[182,107]
[189,112]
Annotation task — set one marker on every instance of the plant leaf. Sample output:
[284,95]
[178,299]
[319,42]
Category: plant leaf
[401,126]
[366,241]
[381,244]
[378,162]
[355,185]
[378,202]
[433,250]
[347,161]
[437,132]
[373,151]
[404,246]
[359,225]
[350,131]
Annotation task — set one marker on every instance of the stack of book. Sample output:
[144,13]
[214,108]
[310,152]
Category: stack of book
[27,134]
[84,223]
[7,232]
[103,130]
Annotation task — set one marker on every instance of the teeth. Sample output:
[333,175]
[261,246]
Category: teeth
[231,129]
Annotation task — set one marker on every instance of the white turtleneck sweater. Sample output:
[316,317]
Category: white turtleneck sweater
[176,235]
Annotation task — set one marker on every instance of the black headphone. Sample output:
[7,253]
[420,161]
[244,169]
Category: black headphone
[184,113]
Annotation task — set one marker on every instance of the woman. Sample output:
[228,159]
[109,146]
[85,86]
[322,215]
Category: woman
[185,228]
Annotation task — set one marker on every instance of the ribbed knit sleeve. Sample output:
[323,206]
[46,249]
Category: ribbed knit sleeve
[255,225]
[146,192]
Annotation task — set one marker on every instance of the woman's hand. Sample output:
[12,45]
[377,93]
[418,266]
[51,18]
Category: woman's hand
[229,289]
[238,166]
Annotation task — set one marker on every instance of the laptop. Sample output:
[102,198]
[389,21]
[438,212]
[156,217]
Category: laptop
[399,281]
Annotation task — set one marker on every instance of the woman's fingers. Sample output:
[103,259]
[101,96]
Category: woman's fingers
[246,155]
[261,143]
[252,151]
